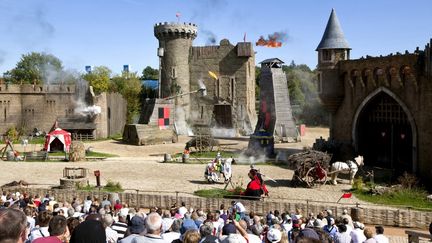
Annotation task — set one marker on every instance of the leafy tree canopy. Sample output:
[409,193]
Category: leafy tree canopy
[150,73]
[99,78]
[129,85]
[36,68]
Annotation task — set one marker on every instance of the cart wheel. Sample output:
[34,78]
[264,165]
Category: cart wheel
[310,177]
[313,180]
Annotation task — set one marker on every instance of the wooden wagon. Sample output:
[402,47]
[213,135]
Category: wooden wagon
[310,168]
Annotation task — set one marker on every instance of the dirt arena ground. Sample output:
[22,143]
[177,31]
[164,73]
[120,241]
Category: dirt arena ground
[141,167]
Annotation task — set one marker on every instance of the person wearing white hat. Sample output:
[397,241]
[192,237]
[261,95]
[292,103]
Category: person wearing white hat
[357,235]
[273,236]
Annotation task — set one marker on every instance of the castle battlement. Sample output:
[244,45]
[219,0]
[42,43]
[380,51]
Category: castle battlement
[36,89]
[168,29]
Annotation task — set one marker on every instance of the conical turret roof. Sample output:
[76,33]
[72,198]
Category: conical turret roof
[333,37]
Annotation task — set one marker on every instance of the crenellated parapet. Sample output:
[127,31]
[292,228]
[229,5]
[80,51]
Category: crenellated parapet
[36,89]
[393,71]
[177,30]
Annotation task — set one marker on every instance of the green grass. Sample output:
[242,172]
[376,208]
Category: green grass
[110,186]
[218,193]
[212,193]
[212,154]
[89,154]
[413,198]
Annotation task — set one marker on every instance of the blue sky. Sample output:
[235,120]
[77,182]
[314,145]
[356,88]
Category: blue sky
[117,32]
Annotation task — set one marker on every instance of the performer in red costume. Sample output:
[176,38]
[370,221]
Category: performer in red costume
[256,186]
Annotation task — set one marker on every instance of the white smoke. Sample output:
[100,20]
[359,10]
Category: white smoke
[281,157]
[180,123]
[221,132]
[82,109]
[251,160]
[202,87]
[89,110]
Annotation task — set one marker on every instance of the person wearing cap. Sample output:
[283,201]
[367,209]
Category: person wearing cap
[135,229]
[380,237]
[357,235]
[330,228]
[239,208]
[153,226]
[345,215]
[120,226]
[273,236]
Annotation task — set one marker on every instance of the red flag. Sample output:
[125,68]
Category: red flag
[345,195]
[178,14]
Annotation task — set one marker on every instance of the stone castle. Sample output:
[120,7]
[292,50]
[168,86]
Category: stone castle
[230,93]
[380,106]
[27,107]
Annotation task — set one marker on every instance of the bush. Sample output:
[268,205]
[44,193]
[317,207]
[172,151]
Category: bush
[12,133]
[358,184]
[408,181]
[112,186]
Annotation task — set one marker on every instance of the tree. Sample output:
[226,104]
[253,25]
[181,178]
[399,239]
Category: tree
[150,73]
[99,78]
[129,86]
[36,68]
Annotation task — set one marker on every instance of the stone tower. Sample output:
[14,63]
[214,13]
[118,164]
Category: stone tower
[175,42]
[332,49]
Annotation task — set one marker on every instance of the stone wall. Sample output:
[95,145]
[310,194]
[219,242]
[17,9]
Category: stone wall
[112,118]
[34,106]
[39,106]
[404,77]
[235,86]
[369,214]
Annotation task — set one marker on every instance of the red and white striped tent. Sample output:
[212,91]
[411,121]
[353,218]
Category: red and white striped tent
[58,139]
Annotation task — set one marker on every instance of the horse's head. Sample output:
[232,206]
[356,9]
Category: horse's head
[359,160]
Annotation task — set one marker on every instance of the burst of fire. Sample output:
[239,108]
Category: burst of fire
[274,40]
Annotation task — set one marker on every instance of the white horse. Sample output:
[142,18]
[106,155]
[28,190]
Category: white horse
[213,175]
[348,167]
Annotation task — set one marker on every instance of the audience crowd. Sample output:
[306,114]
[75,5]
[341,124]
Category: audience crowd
[28,218]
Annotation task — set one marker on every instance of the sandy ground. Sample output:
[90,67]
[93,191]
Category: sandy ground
[141,167]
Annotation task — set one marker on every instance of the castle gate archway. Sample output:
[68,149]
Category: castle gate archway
[384,132]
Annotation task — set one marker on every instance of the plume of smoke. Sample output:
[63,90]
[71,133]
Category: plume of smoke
[84,110]
[221,132]
[210,37]
[281,157]
[206,9]
[202,87]
[281,36]
[181,124]
[51,74]
[31,27]
[251,160]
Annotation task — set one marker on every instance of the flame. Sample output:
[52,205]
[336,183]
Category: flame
[213,75]
[274,40]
